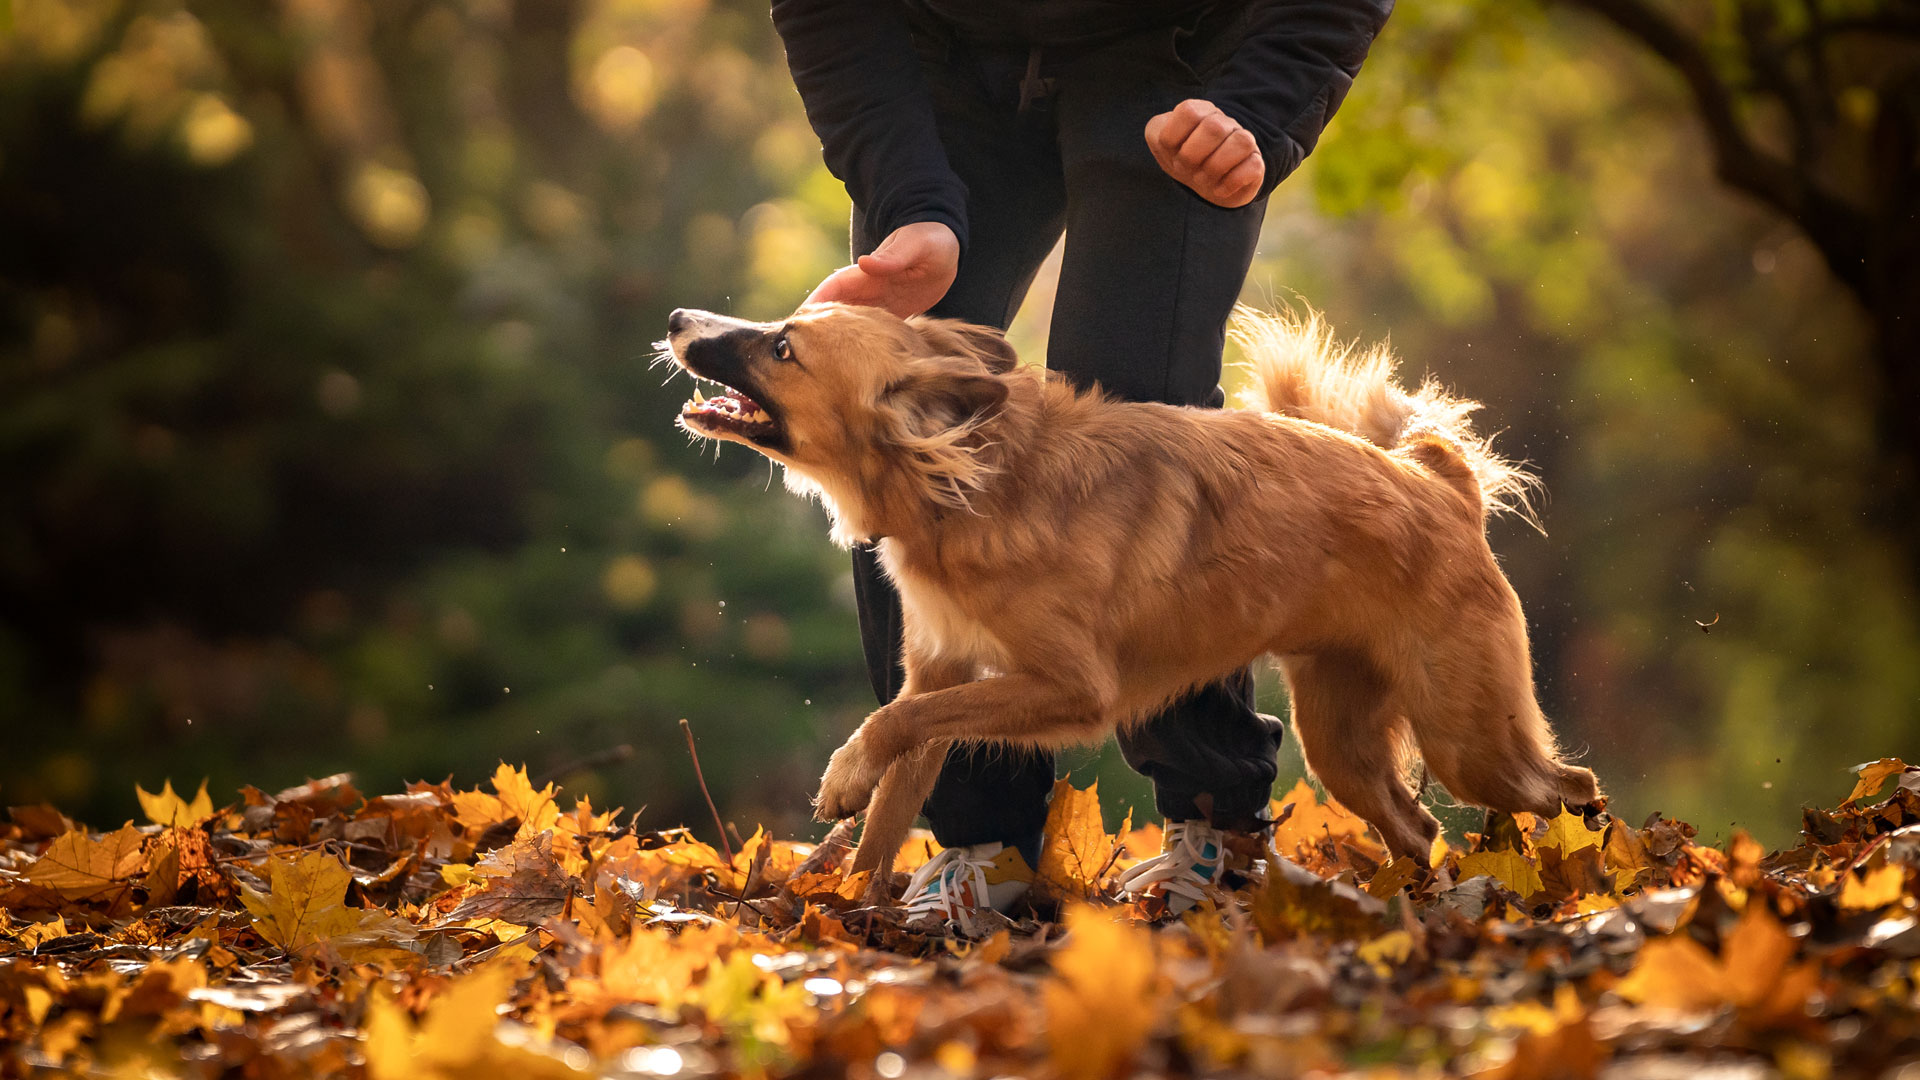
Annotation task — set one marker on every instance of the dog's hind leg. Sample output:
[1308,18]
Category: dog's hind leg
[1481,731]
[1355,741]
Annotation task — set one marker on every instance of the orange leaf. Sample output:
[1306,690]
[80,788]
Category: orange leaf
[1103,1000]
[1872,775]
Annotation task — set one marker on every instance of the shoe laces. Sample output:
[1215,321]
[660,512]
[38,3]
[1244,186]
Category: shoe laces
[1191,857]
[951,885]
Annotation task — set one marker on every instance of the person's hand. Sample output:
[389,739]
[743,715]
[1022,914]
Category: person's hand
[1208,151]
[907,274]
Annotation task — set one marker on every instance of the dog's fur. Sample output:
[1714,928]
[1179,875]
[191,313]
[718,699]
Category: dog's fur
[1069,563]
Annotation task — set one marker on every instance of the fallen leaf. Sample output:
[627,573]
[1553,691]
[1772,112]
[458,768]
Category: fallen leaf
[1676,973]
[1509,868]
[520,883]
[1569,833]
[1102,999]
[304,908]
[1075,848]
[79,867]
[171,810]
[1305,821]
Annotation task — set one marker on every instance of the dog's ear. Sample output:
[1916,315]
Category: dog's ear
[953,337]
[947,398]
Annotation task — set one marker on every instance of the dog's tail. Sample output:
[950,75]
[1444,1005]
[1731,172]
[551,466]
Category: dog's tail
[1300,370]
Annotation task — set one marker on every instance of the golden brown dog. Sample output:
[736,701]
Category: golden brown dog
[1067,563]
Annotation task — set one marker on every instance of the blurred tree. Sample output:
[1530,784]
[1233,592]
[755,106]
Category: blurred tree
[1812,107]
[327,438]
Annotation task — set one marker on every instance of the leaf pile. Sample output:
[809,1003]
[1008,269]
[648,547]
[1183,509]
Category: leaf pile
[445,933]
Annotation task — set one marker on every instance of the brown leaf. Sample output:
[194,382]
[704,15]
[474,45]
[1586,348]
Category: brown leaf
[521,883]
[78,867]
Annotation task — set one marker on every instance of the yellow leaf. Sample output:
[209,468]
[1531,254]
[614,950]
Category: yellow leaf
[1103,999]
[1568,833]
[170,809]
[79,867]
[455,1037]
[1385,951]
[304,908]
[1509,868]
[1076,847]
[1872,775]
[1876,889]
[514,799]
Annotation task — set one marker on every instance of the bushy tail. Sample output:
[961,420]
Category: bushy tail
[1299,370]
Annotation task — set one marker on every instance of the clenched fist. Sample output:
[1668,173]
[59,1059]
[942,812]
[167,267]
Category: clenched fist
[1208,151]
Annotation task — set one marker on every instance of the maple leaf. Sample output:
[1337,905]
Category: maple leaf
[79,867]
[1076,847]
[514,799]
[1569,833]
[304,908]
[1308,822]
[1103,998]
[520,883]
[1509,868]
[1872,775]
[1627,857]
[171,810]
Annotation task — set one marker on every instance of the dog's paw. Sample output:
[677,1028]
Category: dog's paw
[848,784]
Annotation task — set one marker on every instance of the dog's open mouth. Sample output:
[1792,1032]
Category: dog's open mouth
[729,412]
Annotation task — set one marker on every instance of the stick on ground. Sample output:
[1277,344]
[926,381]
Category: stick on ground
[725,845]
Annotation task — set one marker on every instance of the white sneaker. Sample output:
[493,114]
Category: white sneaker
[955,885]
[1195,860]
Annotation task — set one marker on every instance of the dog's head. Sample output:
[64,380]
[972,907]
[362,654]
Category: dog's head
[837,391]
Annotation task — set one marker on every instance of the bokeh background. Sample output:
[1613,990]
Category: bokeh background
[328,439]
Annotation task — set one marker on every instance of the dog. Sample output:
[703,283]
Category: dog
[1068,563]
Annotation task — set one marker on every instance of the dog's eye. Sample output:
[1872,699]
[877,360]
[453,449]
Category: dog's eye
[782,350]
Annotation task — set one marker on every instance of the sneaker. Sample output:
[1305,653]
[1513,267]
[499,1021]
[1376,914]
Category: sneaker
[1195,860]
[957,884]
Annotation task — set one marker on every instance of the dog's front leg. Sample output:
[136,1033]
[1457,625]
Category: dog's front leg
[1021,708]
[854,776]
[896,801]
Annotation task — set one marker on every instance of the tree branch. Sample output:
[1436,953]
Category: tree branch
[1835,226]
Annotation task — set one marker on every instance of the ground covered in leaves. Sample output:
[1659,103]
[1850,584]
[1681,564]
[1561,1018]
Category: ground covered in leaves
[506,933]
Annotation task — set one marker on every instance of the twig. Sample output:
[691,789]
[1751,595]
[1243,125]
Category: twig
[725,845]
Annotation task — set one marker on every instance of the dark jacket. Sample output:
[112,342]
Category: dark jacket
[859,77]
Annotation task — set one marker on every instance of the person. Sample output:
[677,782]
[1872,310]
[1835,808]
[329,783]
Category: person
[971,134]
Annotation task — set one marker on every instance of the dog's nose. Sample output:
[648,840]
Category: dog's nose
[678,321]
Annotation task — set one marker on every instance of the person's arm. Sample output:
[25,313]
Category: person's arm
[1292,71]
[854,64]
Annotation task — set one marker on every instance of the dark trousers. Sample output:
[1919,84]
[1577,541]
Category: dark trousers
[1054,140]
